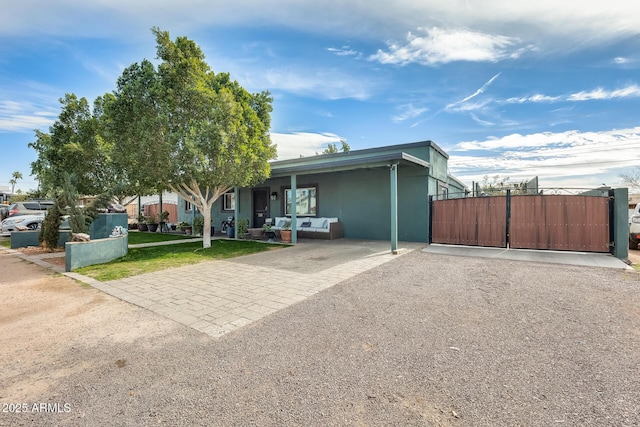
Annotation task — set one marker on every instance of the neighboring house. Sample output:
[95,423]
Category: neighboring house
[5,193]
[150,206]
[358,187]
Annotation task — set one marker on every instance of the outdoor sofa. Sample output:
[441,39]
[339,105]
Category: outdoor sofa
[313,228]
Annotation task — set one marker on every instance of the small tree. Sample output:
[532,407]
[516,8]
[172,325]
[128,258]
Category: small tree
[333,148]
[14,180]
[65,204]
[50,231]
[632,179]
[494,185]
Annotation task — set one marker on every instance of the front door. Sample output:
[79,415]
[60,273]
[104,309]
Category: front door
[260,206]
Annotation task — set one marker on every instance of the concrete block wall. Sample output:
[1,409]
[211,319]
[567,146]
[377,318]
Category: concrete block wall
[81,254]
[22,239]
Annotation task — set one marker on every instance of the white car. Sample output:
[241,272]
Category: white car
[634,228]
[30,221]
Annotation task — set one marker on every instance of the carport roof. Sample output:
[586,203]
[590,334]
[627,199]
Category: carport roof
[361,159]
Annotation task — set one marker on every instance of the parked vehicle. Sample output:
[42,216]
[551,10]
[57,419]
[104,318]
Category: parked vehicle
[634,228]
[31,207]
[4,211]
[30,221]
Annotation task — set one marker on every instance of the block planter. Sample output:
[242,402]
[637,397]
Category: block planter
[81,254]
[22,239]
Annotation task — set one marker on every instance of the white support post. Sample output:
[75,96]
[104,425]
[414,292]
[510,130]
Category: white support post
[236,211]
[294,206]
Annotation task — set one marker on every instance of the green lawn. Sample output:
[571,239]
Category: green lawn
[136,237]
[5,242]
[145,260]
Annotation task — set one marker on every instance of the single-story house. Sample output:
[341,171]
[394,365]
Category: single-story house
[377,194]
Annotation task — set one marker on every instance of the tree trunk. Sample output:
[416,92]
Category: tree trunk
[206,229]
[204,202]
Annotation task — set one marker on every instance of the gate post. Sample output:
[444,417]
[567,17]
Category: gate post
[508,219]
[430,236]
[619,220]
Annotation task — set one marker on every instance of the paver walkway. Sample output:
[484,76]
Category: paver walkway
[216,297]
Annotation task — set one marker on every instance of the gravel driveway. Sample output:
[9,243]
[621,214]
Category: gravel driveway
[423,340]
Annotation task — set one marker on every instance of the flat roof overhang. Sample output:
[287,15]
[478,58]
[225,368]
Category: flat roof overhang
[312,166]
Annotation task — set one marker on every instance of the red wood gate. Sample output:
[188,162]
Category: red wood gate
[478,221]
[558,222]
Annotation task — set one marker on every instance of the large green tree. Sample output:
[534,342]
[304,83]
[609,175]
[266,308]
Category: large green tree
[74,144]
[183,127]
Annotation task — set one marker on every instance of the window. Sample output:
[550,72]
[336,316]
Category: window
[306,201]
[187,206]
[229,201]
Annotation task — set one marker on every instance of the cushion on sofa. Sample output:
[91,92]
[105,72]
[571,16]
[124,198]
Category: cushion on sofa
[316,222]
[278,222]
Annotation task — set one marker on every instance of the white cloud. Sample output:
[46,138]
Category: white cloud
[632,91]
[321,83]
[24,117]
[302,144]
[345,51]
[585,158]
[547,21]
[533,98]
[454,106]
[480,121]
[441,46]
[408,111]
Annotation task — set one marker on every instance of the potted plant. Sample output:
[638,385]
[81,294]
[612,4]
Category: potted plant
[243,226]
[230,229]
[152,224]
[186,227]
[267,231]
[142,225]
[285,232]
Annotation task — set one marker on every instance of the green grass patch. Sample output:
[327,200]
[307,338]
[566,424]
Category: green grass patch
[155,258]
[5,243]
[136,237]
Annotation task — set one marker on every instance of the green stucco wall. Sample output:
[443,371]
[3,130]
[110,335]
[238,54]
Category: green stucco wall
[360,197]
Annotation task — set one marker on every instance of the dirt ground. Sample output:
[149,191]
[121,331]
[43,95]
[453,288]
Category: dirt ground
[44,315]
[415,342]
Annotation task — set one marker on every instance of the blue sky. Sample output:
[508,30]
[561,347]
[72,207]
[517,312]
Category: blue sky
[515,89]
